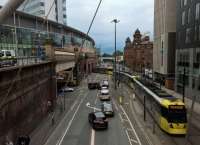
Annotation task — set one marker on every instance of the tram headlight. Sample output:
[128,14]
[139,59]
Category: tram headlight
[170,125]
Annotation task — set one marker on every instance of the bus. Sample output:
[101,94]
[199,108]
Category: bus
[168,112]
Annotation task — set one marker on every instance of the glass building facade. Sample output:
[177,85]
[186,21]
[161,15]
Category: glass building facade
[188,47]
[27,42]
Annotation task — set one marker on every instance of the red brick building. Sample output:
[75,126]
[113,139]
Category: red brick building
[138,54]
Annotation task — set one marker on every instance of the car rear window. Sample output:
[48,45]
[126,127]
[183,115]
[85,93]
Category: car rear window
[99,115]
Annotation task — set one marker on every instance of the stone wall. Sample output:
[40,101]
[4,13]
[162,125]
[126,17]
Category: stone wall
[24,96]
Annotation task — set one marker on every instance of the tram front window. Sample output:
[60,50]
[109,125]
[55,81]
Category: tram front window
[177,116]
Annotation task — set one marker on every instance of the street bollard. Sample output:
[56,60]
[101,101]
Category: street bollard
[134,97]
[120,100]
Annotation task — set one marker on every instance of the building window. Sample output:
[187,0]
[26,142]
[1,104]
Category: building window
[181,3]
[198,34]
[189,15]
[197,11]
[185,2]
[41,3]
[188,35]
[183,18]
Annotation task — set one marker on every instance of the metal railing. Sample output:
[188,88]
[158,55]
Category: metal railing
[21,61]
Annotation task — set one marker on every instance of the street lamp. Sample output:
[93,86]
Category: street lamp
[115,21]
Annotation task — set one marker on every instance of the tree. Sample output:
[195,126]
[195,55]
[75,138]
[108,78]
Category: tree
[118,53]
[106,55]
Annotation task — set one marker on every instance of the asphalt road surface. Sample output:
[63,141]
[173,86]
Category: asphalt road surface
[125,128]
[74,128]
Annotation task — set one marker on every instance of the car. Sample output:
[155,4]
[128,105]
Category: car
[104,91]
[104,97]
[67,89]
[107,109]
[105,83]
[98,120]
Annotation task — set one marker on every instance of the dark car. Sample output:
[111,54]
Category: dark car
[98,120]
[94,85]
[107,109]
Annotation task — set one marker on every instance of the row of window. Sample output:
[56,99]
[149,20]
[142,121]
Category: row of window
[33,37]
[184,3]
[187,15]
[189,35]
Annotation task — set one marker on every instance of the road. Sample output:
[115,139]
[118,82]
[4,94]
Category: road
[74,128]
[127,127]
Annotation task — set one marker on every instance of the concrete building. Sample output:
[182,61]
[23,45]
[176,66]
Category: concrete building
[188,50]
[138,54]
[164,41]
[54,9]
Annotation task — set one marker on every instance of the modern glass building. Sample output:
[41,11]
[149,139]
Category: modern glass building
[188,47]
[54,9]
[27,42]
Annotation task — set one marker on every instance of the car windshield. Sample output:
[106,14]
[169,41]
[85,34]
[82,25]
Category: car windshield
[8,53]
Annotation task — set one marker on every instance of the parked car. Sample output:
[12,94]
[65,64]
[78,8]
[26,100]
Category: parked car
[7,58]
[107,109]
[98,120]
[67,89]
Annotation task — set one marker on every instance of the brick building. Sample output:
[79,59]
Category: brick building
[138,54]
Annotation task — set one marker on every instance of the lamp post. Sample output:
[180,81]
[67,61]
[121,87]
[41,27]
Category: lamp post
[115,21]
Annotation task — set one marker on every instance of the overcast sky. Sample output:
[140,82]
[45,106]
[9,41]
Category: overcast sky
[132,14]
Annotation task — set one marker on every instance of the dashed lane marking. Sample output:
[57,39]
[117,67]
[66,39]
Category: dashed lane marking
[128,137]
[70,122]
[133,140]
[115,105]
[92,141]
[120,116]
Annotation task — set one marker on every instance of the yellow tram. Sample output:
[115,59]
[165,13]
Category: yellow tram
[168,111]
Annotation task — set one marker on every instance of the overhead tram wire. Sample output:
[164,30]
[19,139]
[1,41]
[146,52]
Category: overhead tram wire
[97,9]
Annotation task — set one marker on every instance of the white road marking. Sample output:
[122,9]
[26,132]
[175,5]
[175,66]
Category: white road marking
[62,121]
[120,116]
[95,102]
[74,105]
[138,140]
[133,140]
[128,137]
[92,141]
[70,122]
[115,105]
[129,129]
[138,122]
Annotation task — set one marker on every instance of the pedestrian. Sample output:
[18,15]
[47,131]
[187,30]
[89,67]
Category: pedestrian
[27,140]
[52,119]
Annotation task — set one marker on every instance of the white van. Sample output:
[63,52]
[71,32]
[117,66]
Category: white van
[7,58]
[7,53]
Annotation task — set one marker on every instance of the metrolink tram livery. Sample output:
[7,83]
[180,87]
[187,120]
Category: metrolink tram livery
[168,111]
